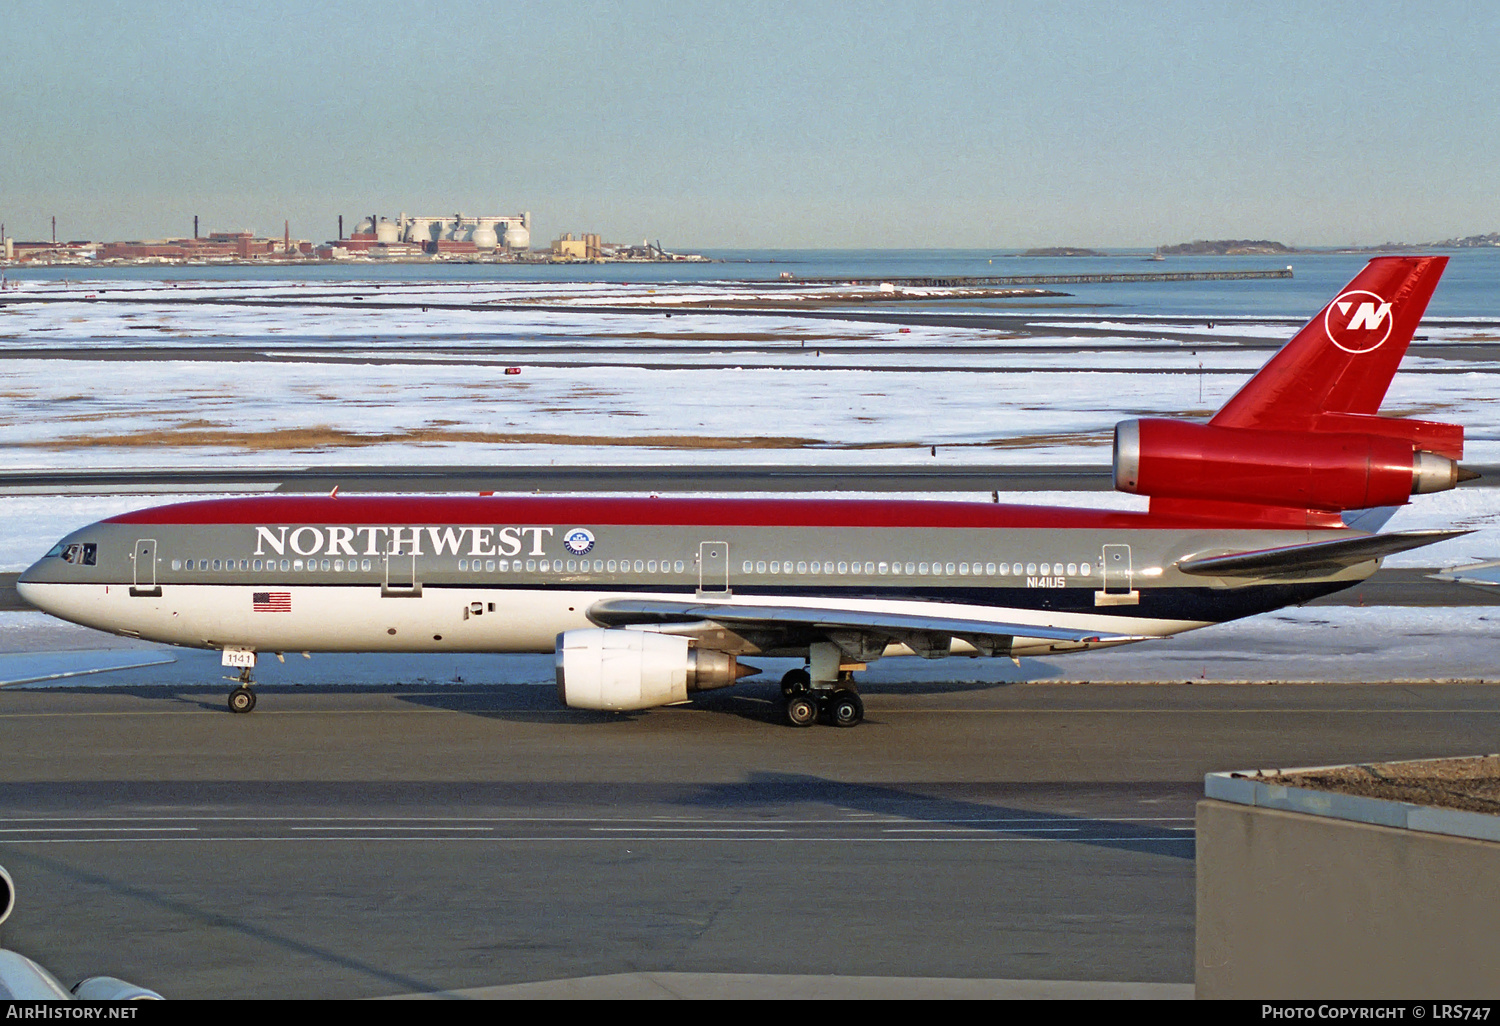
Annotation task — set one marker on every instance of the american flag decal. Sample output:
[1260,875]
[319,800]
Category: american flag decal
[272,601]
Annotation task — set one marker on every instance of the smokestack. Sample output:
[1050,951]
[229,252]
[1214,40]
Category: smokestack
[341,227]
[195,226]
[54,229]
[286,236]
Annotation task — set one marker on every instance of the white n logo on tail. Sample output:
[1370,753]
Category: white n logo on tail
[1368,316]
[1366,329]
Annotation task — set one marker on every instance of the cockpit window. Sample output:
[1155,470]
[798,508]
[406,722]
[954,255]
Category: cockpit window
[82,553]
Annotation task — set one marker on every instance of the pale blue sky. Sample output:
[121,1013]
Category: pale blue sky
[758,124]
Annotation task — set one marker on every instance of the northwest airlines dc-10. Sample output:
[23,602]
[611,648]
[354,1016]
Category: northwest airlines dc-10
[645,601]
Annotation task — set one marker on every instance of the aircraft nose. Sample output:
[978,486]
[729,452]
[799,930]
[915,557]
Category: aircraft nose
[27,593]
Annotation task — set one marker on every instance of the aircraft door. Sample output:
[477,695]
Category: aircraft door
[1118,579]
[400,566]
[713,568]
[143,574]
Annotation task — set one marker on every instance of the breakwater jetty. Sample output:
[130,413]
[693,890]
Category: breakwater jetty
[981,281]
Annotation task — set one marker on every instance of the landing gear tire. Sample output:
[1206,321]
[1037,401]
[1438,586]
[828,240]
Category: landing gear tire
[801,711]
[795,682]
[241,700]
[845,708]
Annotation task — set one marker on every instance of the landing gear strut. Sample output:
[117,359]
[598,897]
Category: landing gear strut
[242,699]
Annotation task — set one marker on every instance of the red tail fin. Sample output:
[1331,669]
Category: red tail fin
[1342,362]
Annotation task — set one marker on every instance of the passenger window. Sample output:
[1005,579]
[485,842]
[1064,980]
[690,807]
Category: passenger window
[989,568]
[880,569]
[216,564]
[843,568]
[1072,569]
[1084,569]
[678,567]
[921,568]
[502,566]
[949,569]
[775,566]
[802,566]
[1030,569]
[963,569]
[176,564]
[651,566]
[531,565]
[760,566]
[572,565]
[610,567]
[463,564]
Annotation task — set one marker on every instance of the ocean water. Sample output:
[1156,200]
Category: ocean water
[1470,288]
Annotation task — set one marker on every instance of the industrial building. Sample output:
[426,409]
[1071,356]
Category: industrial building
[455,235]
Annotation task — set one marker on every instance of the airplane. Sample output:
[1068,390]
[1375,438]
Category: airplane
[646,601]
[21,979]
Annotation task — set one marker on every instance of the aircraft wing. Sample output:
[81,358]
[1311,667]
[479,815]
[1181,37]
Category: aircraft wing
[1312,559]
[636,612]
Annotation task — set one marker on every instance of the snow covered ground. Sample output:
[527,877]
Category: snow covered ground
[730,389]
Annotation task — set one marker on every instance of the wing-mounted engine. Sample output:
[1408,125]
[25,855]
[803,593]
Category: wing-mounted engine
[1314,470]
[620,670]
[21,979]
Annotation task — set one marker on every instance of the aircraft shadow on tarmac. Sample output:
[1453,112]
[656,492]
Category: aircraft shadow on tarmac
[757,700]
[765,789]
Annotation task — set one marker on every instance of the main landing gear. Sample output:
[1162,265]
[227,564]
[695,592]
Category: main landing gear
[836,702]
[242,699]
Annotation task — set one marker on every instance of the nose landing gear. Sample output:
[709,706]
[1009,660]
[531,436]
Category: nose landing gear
[242,699]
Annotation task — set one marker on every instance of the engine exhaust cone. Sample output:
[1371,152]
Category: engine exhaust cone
[1465,474]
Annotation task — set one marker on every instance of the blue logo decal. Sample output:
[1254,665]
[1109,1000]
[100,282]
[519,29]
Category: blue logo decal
[579,541]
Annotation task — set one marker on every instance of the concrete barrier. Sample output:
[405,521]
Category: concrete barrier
[1309,894]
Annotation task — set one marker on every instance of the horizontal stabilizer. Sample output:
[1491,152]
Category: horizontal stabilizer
[1313,558]
[1482,575]
[635,612]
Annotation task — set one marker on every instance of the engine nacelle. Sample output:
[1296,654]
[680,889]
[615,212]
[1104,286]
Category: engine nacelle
[7,895]
[1306,470]
[619,670]
[108,988]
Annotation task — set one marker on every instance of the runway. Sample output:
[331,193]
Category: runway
[385,841]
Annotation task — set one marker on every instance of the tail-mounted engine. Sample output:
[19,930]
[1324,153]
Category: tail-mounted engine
[619,670]
[1335,470]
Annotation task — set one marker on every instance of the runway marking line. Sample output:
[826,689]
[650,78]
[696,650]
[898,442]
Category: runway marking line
[694,829]
[976,837]
[435,822]
[89,830]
